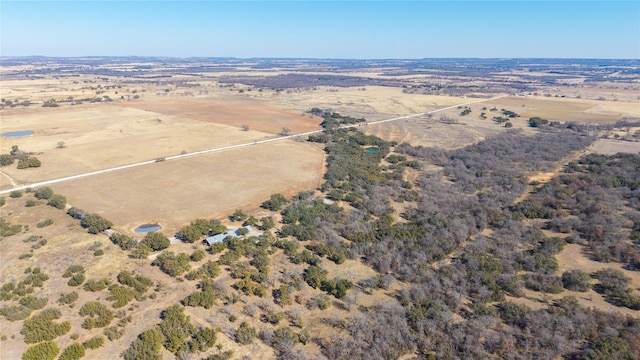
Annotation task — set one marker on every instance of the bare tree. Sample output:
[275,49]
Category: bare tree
[245,127]
[285,131]
[60,144]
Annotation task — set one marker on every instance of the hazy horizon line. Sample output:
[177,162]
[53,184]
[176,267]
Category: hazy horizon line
[310,58]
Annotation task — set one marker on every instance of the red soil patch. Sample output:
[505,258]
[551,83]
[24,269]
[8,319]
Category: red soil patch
[228,111]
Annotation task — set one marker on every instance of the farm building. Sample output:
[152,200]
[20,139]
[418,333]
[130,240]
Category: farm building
[220,237]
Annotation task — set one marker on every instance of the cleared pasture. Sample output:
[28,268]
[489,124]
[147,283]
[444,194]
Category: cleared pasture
[431,131]
[579,110]
[173,193]
[232,111]
[96,137]
[374,102]
[610,147]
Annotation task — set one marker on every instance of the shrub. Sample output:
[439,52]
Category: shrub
[210,269]
[44,223]
[222,355]
[612,281]
[513,313]
[6,229]
[267,223]
[238,215]
[15,313]
[98,315]
[76,274]
[123,241]
[76,280]
[6,160]
[114,333]
[30,203]
[70,298]
[189,234]
[139,283]
[15,194]
[156,241]
[275,202]
[93,343]
[43,351]
[245,333]
[39,244]
[41,327]
[98,252]
[147,346]
[202,340]
[273,317]
[28,162]
[96,285]
[545,283]
[95,223]
[172,264]
[121,296]
[323,302]
[536,121]
[197,255]
[73,352]
[176,327]
[206,297]
[141,251]
[43,193]
[76,213]
[33,302]
[57,201]
[576,280]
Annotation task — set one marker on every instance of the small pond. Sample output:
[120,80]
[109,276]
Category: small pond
[17,133]
[372,150]
[143,229]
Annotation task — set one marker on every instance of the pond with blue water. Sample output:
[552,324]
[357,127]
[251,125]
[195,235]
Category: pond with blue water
[17,133]
[143,229]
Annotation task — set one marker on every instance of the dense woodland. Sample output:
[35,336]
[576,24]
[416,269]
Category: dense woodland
[463,192]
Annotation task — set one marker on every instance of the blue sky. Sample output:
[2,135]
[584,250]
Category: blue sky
[322,29]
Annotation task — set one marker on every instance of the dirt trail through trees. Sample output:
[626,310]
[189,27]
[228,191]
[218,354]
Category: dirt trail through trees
[538,179]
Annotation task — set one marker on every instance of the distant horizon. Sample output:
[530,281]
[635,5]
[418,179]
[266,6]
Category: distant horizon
[322,29]
[307,58]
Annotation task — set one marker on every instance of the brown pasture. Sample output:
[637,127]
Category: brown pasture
[560,109]
[431,131]
[373,103]
[231,111]
[103,136]
[210,185]
[610,147]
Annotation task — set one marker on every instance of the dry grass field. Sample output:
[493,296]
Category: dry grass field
[578,110]
[233,111]
[176,192]
[103,136]
[431,131]
[610,147]
[373,103]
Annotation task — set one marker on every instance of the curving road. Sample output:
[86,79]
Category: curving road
[257,142]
